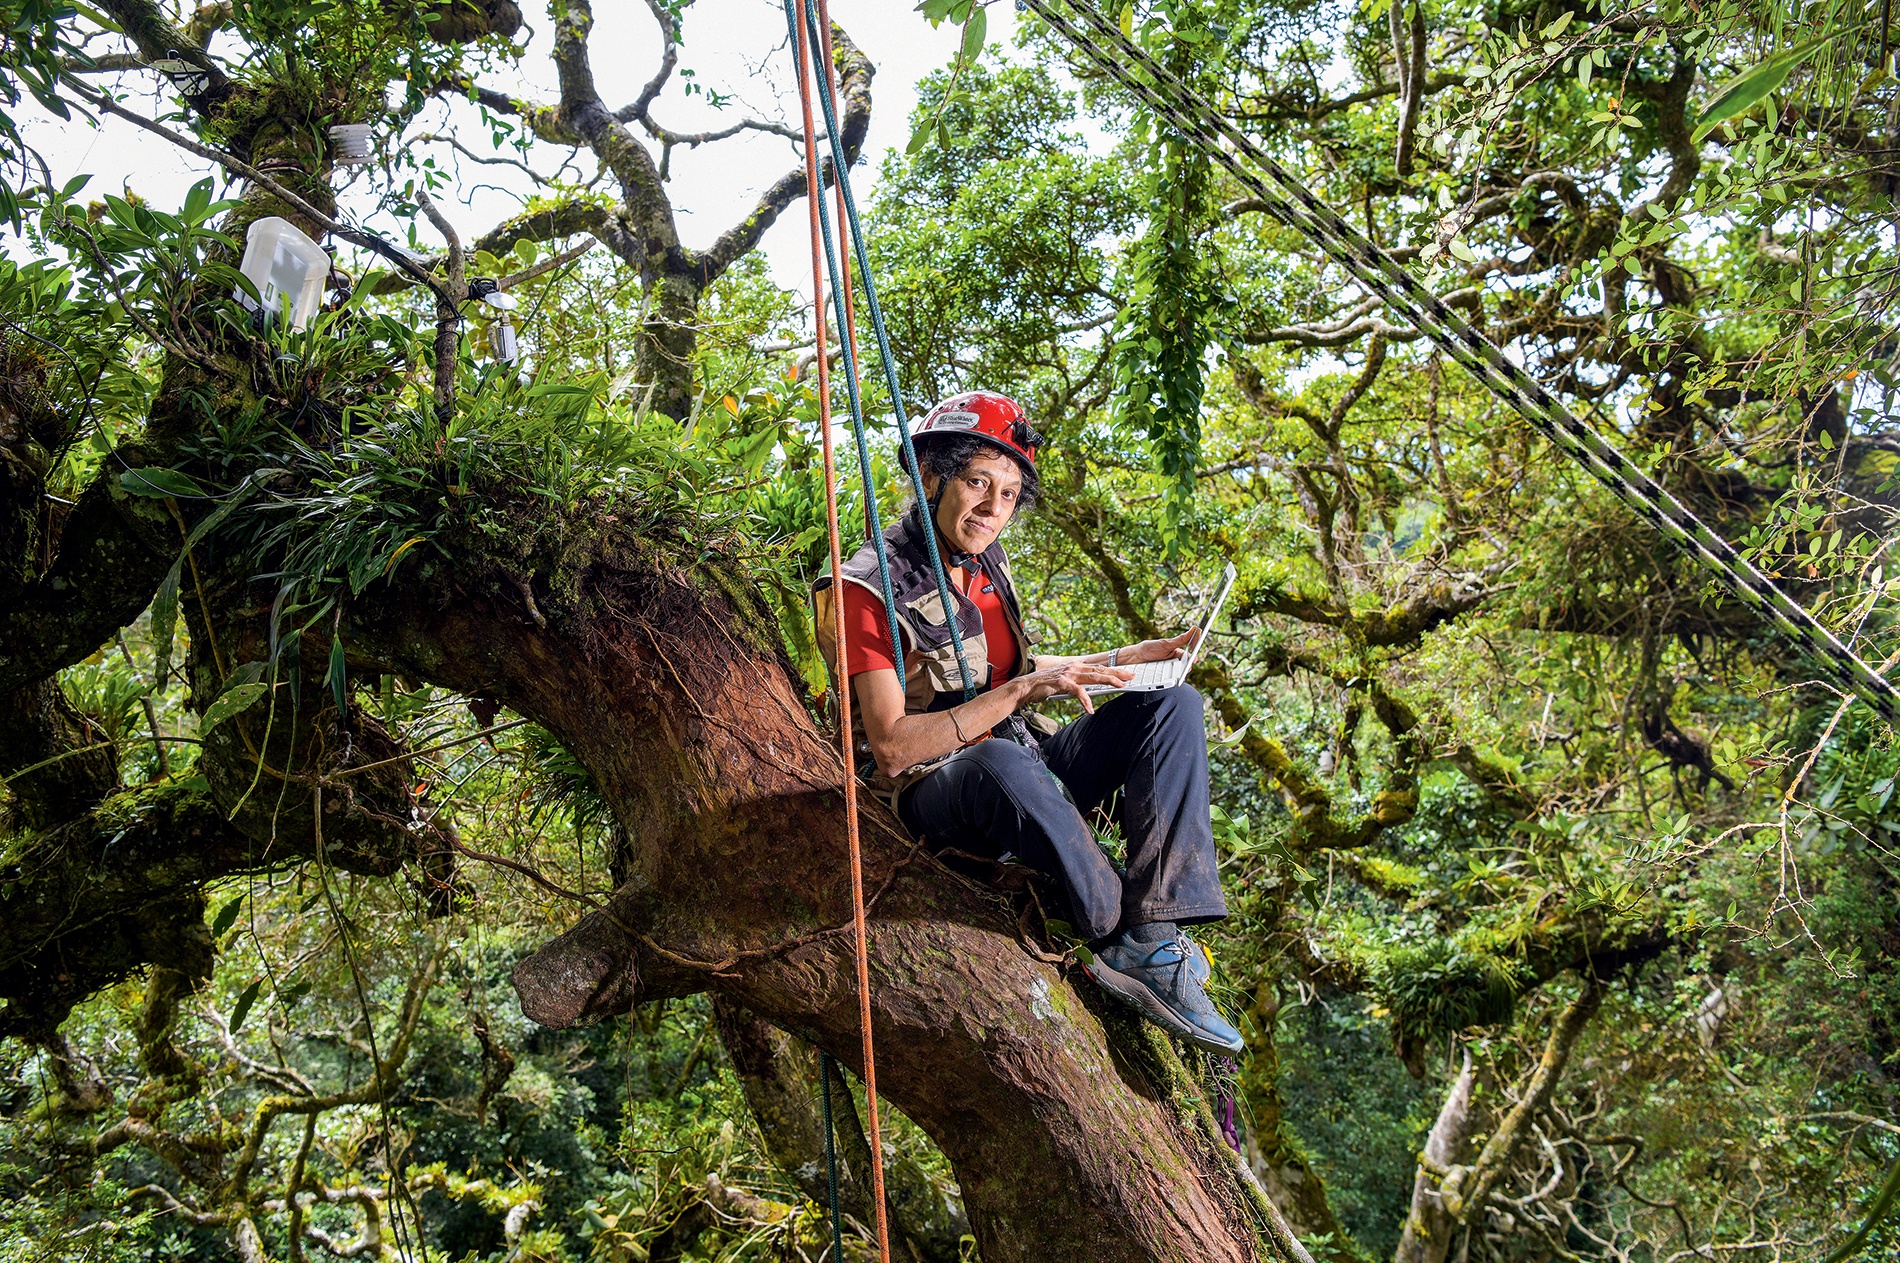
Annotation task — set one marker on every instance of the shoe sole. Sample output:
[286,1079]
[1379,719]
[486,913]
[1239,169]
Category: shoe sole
[1134,992]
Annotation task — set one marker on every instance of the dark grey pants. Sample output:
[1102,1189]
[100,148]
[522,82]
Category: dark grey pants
[997,798]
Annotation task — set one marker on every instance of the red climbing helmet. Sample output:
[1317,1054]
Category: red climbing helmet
[984,414]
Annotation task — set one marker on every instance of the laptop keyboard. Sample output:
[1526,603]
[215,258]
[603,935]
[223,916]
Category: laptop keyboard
[1163,672]
[1148,675]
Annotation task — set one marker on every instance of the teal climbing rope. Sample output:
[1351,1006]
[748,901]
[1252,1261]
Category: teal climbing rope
[831,1157]
[1295,206]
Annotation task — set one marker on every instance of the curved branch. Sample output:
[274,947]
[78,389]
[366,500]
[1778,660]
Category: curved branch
[692,140]
[548,223]
[354,236]
[428,138]
[669,58]
[854,73]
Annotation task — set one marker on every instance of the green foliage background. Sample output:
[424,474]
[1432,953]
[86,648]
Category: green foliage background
[1475,728]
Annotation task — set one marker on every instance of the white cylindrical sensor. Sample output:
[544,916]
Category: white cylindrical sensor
[502,341]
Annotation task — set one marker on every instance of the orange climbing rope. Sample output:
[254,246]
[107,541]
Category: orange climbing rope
[814,188]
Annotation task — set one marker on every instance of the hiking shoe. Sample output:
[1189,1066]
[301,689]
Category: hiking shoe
[1200,960]
[1161,980]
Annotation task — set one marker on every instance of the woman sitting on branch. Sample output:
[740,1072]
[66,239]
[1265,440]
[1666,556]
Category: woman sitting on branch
[974,776]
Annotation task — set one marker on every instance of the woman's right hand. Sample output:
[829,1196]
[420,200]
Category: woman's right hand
[1071,679]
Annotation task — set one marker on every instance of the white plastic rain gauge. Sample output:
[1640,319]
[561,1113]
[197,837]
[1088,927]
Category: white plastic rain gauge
[282,262]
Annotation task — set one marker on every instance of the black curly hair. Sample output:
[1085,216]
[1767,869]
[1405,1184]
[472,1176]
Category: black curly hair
[948,455]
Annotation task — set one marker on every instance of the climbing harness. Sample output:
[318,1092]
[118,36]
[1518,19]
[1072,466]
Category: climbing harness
[1295,206]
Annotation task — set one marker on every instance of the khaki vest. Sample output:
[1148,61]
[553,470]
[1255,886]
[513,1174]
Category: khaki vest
[932,680]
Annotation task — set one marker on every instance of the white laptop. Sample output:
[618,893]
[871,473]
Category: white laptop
[1152,676]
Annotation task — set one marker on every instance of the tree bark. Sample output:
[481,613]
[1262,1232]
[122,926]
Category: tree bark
[1067,1143]
[1428,1224]
[1278,1163]
[1448,1194]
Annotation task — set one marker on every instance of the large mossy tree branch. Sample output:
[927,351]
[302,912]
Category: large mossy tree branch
[109,561]
[104,888]
[101,896]
[1450,1195]
[665,680]
[581,113]
[58,763]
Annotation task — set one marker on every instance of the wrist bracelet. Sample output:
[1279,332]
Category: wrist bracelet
[952,712]
[1112,655]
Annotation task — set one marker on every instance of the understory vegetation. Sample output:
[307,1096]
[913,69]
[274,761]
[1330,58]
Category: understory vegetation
[1565,894]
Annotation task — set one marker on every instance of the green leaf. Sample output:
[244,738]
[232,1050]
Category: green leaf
[242,1009]
[249,673]
[233,700]
[212,520]
[165,623]
[1746,90]
[338,676]
[159,484]
[227,916]
[197,201]
[975,32]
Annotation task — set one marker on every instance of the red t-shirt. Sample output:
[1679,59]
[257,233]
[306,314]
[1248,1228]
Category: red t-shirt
[868,633]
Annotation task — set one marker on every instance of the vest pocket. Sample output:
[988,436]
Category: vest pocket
[940,670]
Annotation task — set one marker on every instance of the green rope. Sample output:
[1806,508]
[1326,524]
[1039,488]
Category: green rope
[831,1158]
[1382,275]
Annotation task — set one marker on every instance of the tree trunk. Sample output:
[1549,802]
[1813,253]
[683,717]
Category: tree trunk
[669,687]
[779,1075]
[1294,1186]
[663,354]
[1429,1225]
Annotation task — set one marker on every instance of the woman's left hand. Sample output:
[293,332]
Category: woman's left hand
[1156,650]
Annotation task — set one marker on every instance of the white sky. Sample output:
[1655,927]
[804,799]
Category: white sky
[733,46]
